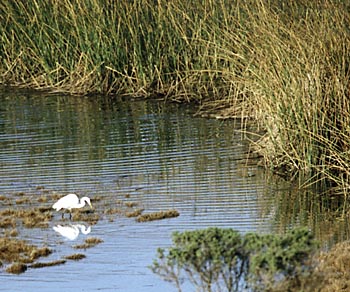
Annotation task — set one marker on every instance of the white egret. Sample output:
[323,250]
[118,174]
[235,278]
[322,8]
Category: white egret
[71,232]
[71,201]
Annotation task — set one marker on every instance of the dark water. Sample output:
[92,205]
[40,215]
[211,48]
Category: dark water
[158,156]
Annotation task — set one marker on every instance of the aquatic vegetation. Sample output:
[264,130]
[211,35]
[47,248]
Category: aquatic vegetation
[42,199]
[88,216]
[16,268]
[111,211]
[124,208]
[75,257]
[89,242]
[8,212]
[38,265]
[35,218]
[17,253]
[30,217]
[40,252]
[158,215]
[7,222]
[22,201]
[93,240]
[3,198]
[11,233]
[131,204]
[134,213]
[13,249]
[216,259]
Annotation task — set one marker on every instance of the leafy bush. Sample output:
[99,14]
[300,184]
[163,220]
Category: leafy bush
[221,259]
[277,259]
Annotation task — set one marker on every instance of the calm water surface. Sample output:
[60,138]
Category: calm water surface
[157,156]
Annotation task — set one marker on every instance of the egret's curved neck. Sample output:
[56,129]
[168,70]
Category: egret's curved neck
[82,203]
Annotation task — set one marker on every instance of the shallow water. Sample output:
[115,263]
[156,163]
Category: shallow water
[158,156]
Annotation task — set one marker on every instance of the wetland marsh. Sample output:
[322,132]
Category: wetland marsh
[134,160]
[152,168]
[131,159]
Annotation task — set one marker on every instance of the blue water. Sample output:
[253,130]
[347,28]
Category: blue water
[157,155]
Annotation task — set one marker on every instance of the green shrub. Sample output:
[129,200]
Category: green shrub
[221,259]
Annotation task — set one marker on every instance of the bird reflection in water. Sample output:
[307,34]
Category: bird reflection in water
[71,232]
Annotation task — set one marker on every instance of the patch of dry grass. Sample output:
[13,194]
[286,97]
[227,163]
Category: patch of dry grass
[89,242]
[75,256]
[158,215]
[18,253]
[38,265]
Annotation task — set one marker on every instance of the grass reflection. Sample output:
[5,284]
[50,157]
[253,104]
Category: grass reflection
[327,217]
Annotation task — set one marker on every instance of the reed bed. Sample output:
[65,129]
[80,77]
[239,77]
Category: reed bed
[284,64]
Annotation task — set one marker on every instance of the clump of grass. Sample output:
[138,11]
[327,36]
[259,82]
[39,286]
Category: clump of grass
[42,199]
[40,252]
[75,257]
[89,242]
[12,232]
[7,222]
[93,241]
[24,200]
[30,217]
[16,268]
[111,211]
[38,265]
[8,212]
[34,217]
[131,204]
[134,213]
[157,215]
[85,215]
[16,250]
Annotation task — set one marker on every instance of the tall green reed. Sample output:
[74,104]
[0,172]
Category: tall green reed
[284,64]
[102,46]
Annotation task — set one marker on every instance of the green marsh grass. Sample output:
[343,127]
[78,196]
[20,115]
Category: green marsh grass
[285,64]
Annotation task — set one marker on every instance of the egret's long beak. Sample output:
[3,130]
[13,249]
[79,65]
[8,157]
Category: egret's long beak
[90,205]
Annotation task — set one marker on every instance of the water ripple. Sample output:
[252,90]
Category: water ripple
[161,160]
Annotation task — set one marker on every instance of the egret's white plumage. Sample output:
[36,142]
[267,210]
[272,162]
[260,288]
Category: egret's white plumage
[71,201]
